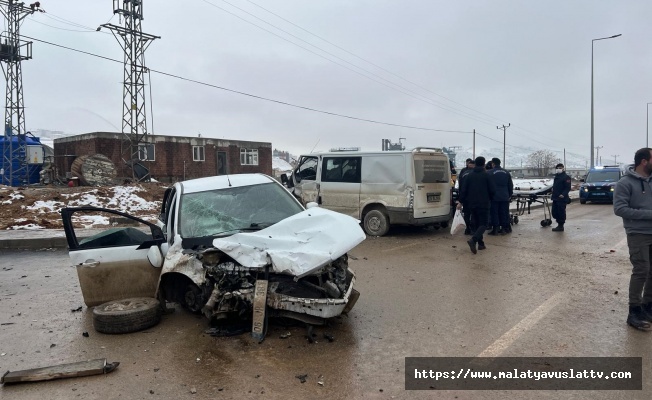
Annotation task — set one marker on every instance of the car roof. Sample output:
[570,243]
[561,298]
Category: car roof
[223,181]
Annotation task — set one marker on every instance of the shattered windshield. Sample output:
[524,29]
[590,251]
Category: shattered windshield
[231,210]
[602,176]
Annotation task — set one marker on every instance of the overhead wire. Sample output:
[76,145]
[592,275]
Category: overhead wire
[395,86]
[249,94]
[402,89]
[459,112]
[62,29]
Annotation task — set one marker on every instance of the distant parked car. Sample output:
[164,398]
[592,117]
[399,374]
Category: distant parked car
[600,183]
[224,246]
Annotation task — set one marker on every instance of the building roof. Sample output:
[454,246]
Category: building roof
[194,140]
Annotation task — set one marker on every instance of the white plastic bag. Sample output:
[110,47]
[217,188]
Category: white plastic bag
[458,225]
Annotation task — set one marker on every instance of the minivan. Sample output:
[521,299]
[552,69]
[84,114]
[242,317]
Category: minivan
[379,188]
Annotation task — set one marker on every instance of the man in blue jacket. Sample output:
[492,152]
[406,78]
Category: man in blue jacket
[560,188]
[500,204]
[633,202]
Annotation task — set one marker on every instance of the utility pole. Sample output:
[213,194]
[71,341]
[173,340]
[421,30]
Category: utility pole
[597,153]
[565,158]
[615,158]
[504,128]
[12,52]
[474,144]
[134,43]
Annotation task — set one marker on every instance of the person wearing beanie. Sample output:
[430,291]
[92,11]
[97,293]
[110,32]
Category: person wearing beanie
[560,188]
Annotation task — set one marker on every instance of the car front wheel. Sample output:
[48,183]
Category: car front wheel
[376,223]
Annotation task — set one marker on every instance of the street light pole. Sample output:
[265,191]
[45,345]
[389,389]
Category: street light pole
[592,124]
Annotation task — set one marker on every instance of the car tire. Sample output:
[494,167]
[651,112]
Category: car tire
[376,223]
[128,315]
[582,201]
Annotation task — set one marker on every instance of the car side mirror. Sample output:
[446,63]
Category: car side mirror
[311,204]
[284,179]
[155,257]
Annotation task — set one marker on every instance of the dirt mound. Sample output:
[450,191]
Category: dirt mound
[38,207]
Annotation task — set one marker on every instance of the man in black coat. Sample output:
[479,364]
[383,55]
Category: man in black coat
[559,197]
[500,204]
[476,193]
[466,211]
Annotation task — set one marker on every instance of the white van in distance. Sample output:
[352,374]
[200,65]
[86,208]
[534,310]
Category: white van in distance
[380,188]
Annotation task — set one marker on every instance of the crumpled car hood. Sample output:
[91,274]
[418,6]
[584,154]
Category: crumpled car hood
[297,245]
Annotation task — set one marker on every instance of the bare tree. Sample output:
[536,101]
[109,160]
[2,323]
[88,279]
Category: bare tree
[543,161]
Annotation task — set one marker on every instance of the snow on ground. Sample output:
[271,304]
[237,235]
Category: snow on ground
[13,196]
[531,184]
[121,198]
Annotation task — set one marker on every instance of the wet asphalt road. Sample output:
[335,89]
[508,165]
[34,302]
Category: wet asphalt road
[532,293]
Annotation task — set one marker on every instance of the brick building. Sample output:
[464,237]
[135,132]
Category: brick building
[170,158]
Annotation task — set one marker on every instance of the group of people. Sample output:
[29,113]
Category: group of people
[485,191]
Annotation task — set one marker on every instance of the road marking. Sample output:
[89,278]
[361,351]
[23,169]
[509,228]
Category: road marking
[509,337]
[404,246]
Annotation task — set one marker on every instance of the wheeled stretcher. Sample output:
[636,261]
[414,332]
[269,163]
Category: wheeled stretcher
[524,200]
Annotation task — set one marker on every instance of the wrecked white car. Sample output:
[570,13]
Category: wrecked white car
[225,246]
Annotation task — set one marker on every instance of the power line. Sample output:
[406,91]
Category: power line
[62,29]
[397,87]
[394,86]
[384,69]
[249,94]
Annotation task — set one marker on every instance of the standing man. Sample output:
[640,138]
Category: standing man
[560,189]
[466,210]
[500,204]
[477,192]
[633,202]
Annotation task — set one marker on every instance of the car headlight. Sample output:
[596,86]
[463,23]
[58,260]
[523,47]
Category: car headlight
[612,189]
[586,189]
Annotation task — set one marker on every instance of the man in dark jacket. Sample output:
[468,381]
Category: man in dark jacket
[477,192]
[466,211]
[560,188]
[500,204]
[633,202]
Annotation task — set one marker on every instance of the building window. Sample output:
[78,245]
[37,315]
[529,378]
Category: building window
[198,153]
[249,156]
[146,152]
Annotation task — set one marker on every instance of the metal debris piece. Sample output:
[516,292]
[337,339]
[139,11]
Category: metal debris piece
[286,335]
[329,337]
[71,370]
[85,334]
[78,309]
[258,327]
[302,378]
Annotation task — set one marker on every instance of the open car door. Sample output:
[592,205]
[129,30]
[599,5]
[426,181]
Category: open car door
[117,256]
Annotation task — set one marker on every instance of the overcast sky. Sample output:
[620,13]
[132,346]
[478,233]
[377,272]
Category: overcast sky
[442,65]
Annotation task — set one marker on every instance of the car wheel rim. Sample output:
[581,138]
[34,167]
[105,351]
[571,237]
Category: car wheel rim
[374,223]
